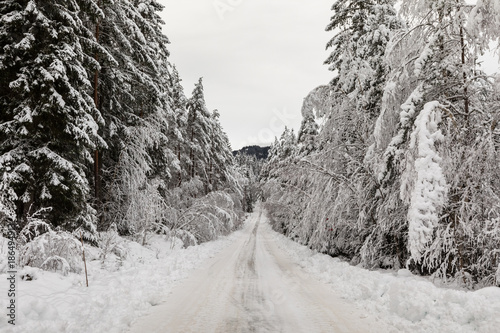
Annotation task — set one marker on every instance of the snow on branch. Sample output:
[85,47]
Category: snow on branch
[427,195]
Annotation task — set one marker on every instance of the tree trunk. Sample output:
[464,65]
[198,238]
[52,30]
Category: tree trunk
[97,178]
[466,92]
[210,176]
[179,158]
[191,155]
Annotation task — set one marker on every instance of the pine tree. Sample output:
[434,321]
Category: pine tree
[221,157]
[48,122]
[132,92]
[178,125]
[358,48]
[308,135]
[129,86]
[198,129]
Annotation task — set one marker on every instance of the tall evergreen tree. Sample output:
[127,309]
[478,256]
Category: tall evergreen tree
[133,99]
[308,133]
[49,123]
[363,29]
[178,125]
[221,161]
[198,131]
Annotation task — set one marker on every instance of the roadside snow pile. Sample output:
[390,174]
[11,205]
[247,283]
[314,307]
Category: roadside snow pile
[408,303]
[121,287]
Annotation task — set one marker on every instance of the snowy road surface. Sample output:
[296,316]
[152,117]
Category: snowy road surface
[253,286]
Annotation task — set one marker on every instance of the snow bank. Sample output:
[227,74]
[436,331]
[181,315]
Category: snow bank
[120,290]
[406,302]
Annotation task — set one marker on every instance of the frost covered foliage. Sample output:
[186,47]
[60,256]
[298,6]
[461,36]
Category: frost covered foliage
[196,220]
[404,167]
[141,200]
[34,228]
[53,251]
[45,103]
[133,202]
[249,168]
[358,48]
[210,216]
[423,185]
[110,242]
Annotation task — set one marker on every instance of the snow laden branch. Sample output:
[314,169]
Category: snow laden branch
[205,219]
[404,166]
[423,184]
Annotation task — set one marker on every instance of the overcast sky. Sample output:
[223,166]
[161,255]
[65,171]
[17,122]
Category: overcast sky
[258,59]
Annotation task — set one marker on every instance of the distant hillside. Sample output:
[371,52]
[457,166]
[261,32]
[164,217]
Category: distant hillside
[260,152]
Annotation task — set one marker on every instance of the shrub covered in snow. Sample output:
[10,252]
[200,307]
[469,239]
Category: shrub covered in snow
[54,251]
[109,242]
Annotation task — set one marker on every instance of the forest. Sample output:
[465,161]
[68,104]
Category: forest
[98,136]
[396,162]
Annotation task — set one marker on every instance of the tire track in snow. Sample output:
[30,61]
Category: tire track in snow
[253,286]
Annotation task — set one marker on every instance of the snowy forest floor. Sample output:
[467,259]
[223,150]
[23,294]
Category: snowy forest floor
[119,290]
[253,280]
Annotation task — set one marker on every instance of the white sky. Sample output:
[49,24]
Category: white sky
[258,59]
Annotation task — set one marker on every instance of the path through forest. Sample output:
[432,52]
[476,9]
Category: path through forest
[253,286]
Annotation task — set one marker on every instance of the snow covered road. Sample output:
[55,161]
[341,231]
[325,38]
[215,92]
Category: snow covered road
[253,286]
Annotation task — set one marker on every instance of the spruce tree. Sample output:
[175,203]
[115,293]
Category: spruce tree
[221,160]
[363,29]
[307,137]
[49,122]
[198,129]
[132,94]
[178,125]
